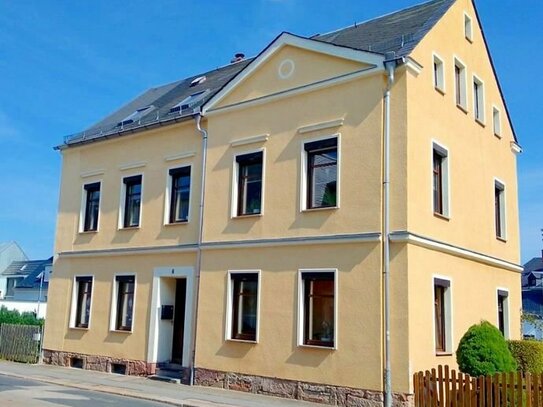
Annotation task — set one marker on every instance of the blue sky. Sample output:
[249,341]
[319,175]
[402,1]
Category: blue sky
[65,64]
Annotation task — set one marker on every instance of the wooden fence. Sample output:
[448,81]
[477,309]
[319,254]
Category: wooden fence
[445,387]
[20,343]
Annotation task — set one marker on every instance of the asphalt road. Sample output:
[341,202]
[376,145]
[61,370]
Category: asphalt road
[27,393]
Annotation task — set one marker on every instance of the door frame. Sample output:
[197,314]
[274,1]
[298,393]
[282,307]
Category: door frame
[170,272]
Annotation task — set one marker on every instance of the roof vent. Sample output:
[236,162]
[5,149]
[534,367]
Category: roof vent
[237,57]
[198,80]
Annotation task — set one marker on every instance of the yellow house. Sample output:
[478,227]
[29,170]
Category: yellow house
[336,210]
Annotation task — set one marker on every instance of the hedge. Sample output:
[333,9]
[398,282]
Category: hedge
[18,318]
[528,354]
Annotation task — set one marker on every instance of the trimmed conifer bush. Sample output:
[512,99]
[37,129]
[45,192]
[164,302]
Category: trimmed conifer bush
[528,354]
[484,351]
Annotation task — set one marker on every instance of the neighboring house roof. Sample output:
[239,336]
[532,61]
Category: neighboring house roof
[6,245]
[398,32]
[30,270]
[536,264]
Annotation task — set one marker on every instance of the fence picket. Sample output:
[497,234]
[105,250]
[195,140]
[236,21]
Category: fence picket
[460,383]
[453,388]
[20,343]
[441,384]
[528,381]
[519,389]
[447,389]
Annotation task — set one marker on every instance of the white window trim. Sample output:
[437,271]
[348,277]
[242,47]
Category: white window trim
[73,306]
[482,108]
[114,296]
[122,201]
[442,149]
[463,86]
[441,88]
[235,182]
[303,173]
[496,124]
[229,310]
[468,35]
[300,325]
[449,314]
[83,208]
[503,206]
[506,319]
[168,197]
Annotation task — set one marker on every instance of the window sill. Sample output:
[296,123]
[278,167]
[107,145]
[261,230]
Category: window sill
[185,222]
[439,90]
[242,341]
[79,328]
[130,228]
[88,232]
[120,331]
[324,208]
[501,239]
[444,353]
[249,215]
[331,348]
[462,108]
[441,216]
[480,122]
[499,136]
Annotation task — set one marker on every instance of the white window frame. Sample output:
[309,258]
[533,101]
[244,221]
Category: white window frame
[300,325]
[468,27]
[75,295]
[83,208]
[481,105]
[114,296]
[235,182]
[304,173]
[496,121]
[503,218]
[122,202]
[449,313]
[506,319]
[446,182]
[229,309]
[463,84]
[439,81]
[168,195]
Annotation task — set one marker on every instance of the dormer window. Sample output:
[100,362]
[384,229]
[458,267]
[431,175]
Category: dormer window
[136,116]
[190,102]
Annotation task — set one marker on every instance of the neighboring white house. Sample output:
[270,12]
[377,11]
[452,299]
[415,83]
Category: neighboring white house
[26,285]
[9,252]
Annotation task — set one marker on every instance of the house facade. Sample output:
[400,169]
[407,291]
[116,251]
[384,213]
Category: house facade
[233,223]
[9,252]
[532,298]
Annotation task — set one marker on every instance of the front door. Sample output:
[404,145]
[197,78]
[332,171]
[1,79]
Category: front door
[179,320]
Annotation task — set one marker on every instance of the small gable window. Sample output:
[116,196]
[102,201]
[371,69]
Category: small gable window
[468,28]
[439,78]
[496,122]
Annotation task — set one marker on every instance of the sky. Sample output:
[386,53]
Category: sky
[66,64]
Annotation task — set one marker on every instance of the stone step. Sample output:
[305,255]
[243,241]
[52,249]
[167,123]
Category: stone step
[166,379]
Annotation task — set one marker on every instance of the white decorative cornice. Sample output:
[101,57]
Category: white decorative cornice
[91,173]
[321,126]
[132,165]
[249,140]
[180,156]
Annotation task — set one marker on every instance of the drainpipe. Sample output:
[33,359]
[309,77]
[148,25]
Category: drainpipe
[198,119]
[390,65]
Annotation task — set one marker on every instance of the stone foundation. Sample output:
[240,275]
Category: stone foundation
[98,363]
[292,389]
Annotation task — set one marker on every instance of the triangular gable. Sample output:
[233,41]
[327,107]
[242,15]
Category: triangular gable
[353,60]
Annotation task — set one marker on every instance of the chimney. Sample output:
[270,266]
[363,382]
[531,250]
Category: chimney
[239,56]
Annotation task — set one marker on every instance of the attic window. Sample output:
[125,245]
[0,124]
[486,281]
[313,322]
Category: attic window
[198,80]
[190,101]
[137,115]
[468,30]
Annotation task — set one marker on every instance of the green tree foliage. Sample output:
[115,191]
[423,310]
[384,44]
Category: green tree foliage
[528,354]
[484,351]
[16,317]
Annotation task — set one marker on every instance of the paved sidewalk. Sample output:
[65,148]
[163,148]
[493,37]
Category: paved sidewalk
[142,388]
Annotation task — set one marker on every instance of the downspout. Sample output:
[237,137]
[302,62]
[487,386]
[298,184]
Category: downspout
[198,119]
[390,65]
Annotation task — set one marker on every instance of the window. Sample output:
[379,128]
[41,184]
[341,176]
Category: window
[503,313]
[322,174]
[132,201]
[136,116]
[180,194]
[442,315]
[460,84]
[499,209]
[439,78]
[92,206]
[11,283]
[191,101]
[125,302]
[440,180]
[83,301]
[496,122]
[468,29]
[249,183]
[243,313]
[318,308]
[478,100]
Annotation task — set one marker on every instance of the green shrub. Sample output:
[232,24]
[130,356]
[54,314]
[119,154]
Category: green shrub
[528,354]
[18,318]
[483,351]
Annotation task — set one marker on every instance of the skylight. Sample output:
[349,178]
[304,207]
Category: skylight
[190,101]
[198,80]
[137,115]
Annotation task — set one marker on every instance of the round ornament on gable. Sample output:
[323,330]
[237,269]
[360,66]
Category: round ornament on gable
[286,68]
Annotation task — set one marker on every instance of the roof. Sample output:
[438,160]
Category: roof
[30,270]
[398,32]
[534,265]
